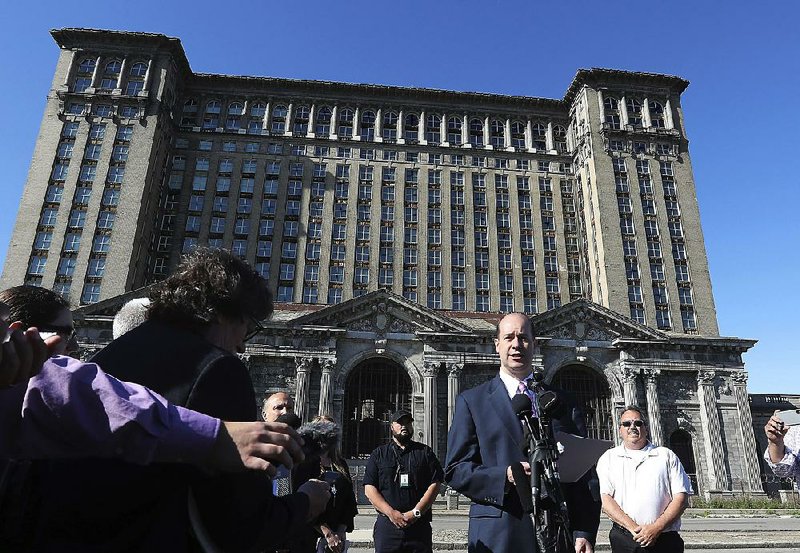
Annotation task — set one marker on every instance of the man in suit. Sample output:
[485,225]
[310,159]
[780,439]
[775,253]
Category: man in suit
[485,440]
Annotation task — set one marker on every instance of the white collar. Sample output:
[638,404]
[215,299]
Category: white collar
[622,451]
[511,383]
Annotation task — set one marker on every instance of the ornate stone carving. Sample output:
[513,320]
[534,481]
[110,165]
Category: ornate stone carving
[303,364]
[455,369]
[430,368]
[327,365]
[706,377]
[400,326]
[362,325]
[739,378]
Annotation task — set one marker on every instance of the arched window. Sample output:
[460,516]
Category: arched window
[411,127]
[83,79]
[86,66]
[634,107]
[592,394]
[190,106]
[374,390]
[611,107]
[433,129]
[301,117]
[110,75]
[476,132]
[346,116]
[656,114]
[560,139]
[539,136]
[136,79]
[234,120]
[258,109]
[454,131]
[279,119]
[368,125]
[323,124]
[390,126]
[189,116]
[497,133]
[518,134]
[211,115]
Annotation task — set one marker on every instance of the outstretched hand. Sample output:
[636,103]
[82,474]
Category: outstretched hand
[256,446]
[22,353]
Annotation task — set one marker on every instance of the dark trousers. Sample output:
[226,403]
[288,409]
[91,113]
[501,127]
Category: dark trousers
[417,538]
[622,542]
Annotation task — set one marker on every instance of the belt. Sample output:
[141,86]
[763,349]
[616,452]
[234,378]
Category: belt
[623,529]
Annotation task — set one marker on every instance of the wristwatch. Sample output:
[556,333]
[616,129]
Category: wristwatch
[417,513]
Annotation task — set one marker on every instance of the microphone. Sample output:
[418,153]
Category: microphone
[521,404]
[319,436]
[291,419]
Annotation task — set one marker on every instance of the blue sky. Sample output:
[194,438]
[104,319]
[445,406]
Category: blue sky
[741,108]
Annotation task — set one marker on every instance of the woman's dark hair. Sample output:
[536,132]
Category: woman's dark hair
[209,283]
[33,305]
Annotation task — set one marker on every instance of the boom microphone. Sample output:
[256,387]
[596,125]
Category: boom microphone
[319,436]
[291,419]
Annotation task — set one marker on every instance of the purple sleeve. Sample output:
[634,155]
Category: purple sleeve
[74,409]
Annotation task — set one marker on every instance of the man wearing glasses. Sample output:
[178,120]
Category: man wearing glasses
[644,490]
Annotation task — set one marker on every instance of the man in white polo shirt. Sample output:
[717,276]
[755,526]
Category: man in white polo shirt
[644,490]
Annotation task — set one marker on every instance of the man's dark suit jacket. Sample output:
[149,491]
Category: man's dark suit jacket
[485,438]
[98,505]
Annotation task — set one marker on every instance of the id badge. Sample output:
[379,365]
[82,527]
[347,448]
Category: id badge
[404,482]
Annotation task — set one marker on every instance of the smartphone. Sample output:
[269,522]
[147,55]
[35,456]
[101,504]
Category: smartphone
[790,417]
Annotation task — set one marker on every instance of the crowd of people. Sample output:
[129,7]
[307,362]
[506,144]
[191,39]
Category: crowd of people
[153,444]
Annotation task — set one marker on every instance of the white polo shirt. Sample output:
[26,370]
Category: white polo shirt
[643,482]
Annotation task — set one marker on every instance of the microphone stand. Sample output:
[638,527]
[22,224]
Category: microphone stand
[550,515]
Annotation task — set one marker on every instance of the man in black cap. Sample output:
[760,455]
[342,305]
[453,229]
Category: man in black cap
[401,481]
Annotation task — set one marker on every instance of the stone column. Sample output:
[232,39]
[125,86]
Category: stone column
[507,134]
[356,122]
[96,72]
[303,367]
[147,75]
[312,113]
[453,388]
[549,137]
[646,122]
[629,392]
[602,106]
[401,128]
[287,124]
[70,69]
[379,125]
[429,372]
[653,406]
[326,387]
[528,135]
[486,135]
[443,129]
[749,457]
[267,118]
[465,130]
[623,111]
[422,128]
[334,132]
[669,122]
[709,416]
[122,70]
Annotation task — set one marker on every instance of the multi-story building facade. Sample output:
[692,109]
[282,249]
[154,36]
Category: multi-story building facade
[395,224]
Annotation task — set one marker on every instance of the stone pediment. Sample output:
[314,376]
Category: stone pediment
[585,321]
[110,306]
[381,312]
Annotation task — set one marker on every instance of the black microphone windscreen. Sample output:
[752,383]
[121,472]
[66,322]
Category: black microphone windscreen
[522,484]
[319,436]
[521,404]
[291,419]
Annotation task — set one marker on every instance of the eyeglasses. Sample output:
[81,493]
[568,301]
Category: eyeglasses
[253,328]
[66,332]
[638,423]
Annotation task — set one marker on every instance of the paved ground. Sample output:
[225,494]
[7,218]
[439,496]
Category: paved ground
[740,533]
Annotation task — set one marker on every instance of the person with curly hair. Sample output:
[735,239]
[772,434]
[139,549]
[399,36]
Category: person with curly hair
[199,318]
[38,307]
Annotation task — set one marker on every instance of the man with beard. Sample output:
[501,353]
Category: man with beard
[644,490]
[401,481]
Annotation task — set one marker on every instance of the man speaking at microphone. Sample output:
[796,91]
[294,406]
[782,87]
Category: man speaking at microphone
[486,438]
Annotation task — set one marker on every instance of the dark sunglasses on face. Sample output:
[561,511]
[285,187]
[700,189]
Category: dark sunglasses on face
[253,327]
[638,423]
[66,332]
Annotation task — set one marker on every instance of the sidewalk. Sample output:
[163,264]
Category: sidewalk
[450,531]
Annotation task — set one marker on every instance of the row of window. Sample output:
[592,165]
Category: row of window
[635,112]
[109,76]
[389,125]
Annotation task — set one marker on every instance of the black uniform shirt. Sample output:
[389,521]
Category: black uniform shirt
[389,461]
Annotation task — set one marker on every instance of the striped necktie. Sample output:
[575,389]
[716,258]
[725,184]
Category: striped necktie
[522,388]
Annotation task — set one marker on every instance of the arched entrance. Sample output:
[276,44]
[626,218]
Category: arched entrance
[593,396]
[375,389]
[680,442]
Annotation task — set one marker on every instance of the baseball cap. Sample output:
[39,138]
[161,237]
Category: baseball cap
[400,413]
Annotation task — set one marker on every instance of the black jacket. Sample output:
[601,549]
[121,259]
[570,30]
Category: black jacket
[98,505]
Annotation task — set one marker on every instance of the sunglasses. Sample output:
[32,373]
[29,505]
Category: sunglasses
[638,423]
[66,332]
[253,328]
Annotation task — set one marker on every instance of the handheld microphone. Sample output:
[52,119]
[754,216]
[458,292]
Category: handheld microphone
[521,404]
